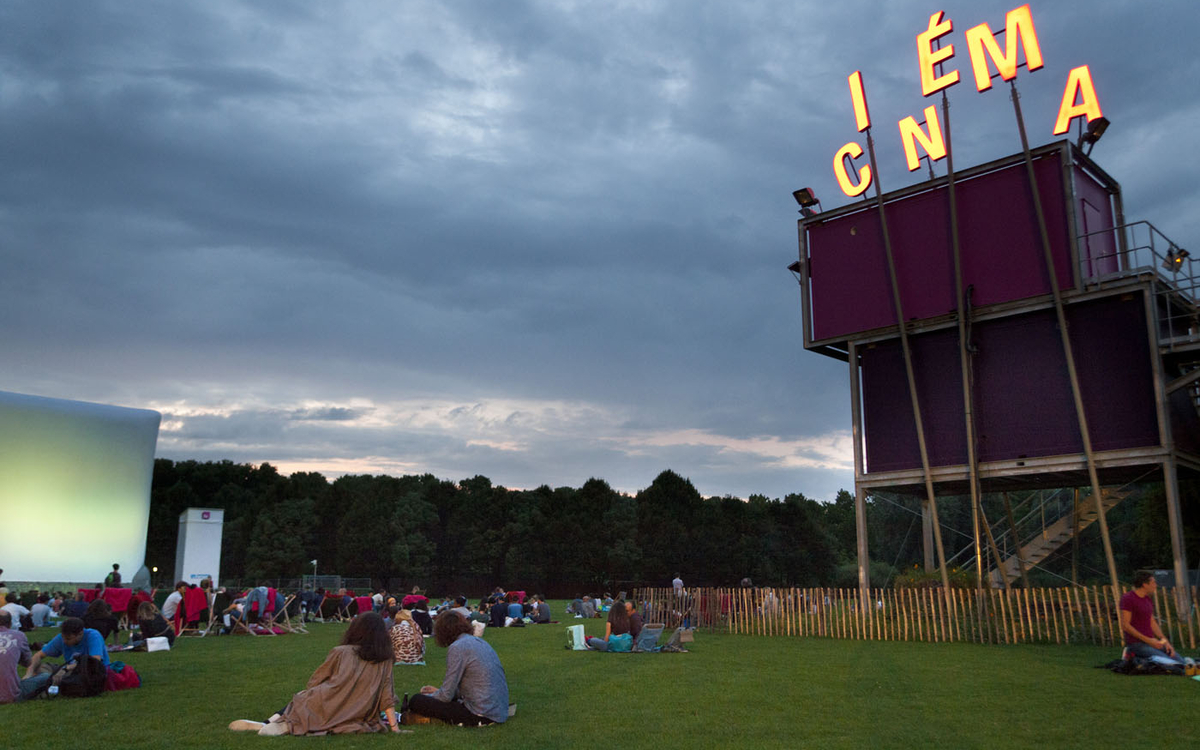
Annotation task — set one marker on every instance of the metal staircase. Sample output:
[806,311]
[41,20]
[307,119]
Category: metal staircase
[1054,536]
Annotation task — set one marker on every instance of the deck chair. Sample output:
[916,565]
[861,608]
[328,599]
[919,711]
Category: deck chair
[220,602]
[260,619]
[242,624]
[118,599]
[195,602]
[330,609]
[364,604]
[283,618]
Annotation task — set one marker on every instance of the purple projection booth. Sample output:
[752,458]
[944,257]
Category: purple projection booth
[1132,328]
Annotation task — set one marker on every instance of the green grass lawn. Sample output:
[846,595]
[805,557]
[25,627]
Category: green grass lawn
[729,691]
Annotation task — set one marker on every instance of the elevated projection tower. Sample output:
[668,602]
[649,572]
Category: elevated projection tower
[1128,296]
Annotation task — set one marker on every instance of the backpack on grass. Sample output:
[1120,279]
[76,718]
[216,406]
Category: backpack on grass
[82,678]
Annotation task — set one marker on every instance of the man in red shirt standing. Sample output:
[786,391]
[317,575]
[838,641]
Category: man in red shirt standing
[1143,636]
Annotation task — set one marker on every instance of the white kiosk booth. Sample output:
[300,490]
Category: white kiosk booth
[198,551]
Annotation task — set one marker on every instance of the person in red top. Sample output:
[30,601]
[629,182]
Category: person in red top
[1143,636]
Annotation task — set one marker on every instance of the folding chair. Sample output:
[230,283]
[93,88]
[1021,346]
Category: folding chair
[283,618]
[195,601]
[219,603]
[330,608]
[135,601]
[241,623]
[364,604]
[118,599]
[259,616]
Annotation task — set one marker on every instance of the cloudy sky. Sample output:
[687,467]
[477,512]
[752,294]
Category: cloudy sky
[539,241]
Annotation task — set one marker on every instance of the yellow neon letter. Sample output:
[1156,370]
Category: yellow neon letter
[927,56]
[862,118]
[1018,27]
[853,150]
[1079,84]
[910,133]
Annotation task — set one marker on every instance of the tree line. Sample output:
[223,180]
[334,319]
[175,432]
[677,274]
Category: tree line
[473,535]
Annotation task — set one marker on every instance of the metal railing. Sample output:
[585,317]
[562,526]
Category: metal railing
[1141,248]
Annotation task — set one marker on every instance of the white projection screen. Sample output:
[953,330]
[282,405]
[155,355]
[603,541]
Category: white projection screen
[74,488]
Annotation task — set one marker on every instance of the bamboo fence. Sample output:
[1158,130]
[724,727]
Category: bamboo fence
[1079,614]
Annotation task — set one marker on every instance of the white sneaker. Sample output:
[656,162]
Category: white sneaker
[245,725]
[275,729]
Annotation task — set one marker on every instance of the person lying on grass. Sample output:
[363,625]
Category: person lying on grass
[347,692]
[475,690]
[617,625]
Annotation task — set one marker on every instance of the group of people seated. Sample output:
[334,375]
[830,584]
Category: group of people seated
[588,607]
[511,609]
[75,641]
[45,608]
[622,629]
[353,690]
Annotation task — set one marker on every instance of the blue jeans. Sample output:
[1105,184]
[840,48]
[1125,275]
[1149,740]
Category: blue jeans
[31,685]
[597,644]
[1146,651]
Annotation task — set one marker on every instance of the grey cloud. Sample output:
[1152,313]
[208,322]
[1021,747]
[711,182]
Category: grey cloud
[294,202]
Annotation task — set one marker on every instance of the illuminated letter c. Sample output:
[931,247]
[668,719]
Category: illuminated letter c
[853,150]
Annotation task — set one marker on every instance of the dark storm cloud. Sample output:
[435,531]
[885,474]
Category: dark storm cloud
[561,227]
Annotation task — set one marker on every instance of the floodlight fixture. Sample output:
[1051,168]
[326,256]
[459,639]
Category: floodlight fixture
[1175,258]
[795,267]
[1095,129]
[807,199]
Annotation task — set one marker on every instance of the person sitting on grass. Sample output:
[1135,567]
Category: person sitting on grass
[475,690]
[618,624]
[152,624]
[575,607]
[100,617]
[587,607]
[514,610]
[348,691]
[72,640]
[13,606]
[77,607]
[540,613]
[1143,636]
[461,607]
[408,642]
[14,652]
[41,612]
[635,620]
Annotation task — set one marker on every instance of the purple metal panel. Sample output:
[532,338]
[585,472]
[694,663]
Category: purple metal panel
[891,436]
[1023,396]
[1023,403]
[1185,421]
[1001,251]
[1112,357]
[1097,252]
